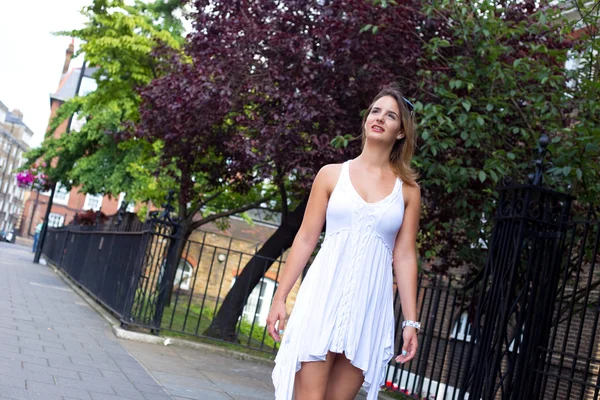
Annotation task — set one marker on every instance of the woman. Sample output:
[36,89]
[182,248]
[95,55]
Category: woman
[341,332]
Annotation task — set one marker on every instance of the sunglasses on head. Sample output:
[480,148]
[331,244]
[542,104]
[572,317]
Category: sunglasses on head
[410,105]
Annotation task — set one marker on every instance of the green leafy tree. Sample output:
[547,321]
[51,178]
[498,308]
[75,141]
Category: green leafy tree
[129,46]
[492,81]
[576,146]
[117,41]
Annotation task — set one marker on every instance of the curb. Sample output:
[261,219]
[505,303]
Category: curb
[218,350]
[136,336]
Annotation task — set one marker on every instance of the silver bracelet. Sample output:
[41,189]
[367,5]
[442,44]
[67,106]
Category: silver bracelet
[413,324]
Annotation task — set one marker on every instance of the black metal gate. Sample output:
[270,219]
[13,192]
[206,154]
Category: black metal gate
[572,357]
[535,326]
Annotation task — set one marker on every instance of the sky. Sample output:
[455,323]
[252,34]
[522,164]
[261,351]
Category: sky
[32,58]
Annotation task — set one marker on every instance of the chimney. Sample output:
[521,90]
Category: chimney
[17,114]
[68,56]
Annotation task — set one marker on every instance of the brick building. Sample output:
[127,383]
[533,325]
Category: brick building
[15,137]
[67,203]
[212,260]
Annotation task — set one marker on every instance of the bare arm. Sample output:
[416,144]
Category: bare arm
[405,267]
[304,244]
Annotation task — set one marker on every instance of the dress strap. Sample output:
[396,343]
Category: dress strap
[346,178]
[346,169]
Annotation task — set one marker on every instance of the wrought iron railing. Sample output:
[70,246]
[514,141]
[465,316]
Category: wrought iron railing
[102,263]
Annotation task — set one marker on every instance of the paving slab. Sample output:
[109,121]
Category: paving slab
[54,346]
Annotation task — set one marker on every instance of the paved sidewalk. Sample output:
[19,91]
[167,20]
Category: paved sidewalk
[54,346]
[188,373]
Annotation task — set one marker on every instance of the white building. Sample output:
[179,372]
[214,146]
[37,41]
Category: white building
[15,137]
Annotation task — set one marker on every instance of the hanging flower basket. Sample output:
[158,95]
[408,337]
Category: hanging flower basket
[33,178]
[25,179]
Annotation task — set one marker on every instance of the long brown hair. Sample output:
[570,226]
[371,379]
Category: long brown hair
[403,150]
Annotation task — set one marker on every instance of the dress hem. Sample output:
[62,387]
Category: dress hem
[322,357]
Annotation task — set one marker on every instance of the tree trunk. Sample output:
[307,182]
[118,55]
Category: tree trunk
[223,325]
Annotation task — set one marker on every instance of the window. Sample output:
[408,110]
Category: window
[77,122]
[578,63]
[93,202]
[462,328]
[61,195]
[130,207]
[259,302]
[183,276]
[56,220]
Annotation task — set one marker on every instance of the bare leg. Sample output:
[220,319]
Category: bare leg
[345,379]
[311,380]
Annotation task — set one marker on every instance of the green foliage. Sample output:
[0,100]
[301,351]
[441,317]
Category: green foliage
[117,41]
[124,44]
[575,147]
[493,81]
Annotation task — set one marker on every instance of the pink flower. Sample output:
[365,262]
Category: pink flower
[25,179]
[29,178]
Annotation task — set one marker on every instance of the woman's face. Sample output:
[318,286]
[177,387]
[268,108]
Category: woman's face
[383,122]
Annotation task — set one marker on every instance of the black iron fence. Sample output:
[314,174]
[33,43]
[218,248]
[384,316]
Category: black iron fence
[564,363]
[445,309]
[105,264]
[127,271]
[132,264]
[114,262]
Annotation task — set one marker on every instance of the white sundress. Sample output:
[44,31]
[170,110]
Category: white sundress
[345,303]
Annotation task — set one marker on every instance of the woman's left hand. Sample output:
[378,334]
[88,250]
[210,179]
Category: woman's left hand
[411,344]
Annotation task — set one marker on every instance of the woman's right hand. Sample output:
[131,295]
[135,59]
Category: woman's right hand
[277,313]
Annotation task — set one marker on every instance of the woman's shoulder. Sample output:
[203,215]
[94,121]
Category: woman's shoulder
[331,169]
[412,192]
[328,176]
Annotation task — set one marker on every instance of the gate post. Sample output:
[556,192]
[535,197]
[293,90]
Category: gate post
[516,300]
[149,286]
[170,229]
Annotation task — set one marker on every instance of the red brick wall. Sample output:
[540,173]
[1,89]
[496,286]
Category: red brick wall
[75,205]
